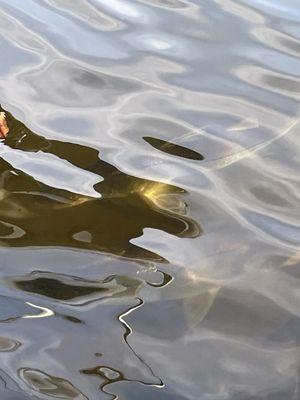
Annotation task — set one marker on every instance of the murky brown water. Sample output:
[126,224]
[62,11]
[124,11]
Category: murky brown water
[149,200]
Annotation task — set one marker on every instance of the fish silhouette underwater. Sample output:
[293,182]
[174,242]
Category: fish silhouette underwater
[33,213]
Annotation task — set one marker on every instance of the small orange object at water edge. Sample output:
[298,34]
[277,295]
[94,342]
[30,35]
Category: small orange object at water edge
[4,129]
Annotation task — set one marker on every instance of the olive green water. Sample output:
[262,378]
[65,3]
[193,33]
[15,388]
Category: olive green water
[35,214]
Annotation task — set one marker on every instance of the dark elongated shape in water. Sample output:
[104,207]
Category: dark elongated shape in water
[173,149]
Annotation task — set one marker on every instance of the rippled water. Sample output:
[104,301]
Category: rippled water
[149,200]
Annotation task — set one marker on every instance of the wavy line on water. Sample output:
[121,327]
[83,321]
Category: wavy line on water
[128,331]
[249,152]
[45,312]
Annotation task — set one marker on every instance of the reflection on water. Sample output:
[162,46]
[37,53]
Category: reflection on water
[107,375]
[7,344]
[149,200]
[174,149]
[48,385]
[72,289]
[33,213]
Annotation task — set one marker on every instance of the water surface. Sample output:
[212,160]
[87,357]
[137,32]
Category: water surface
[149,200]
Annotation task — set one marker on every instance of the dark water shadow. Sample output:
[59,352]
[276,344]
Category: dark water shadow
[173,149]
[35,214]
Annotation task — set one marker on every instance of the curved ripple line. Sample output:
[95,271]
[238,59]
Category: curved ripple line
[45,312]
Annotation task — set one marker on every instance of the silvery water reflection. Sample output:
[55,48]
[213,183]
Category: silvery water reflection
[150,204]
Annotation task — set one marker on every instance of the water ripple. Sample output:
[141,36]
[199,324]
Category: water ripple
[149,199]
